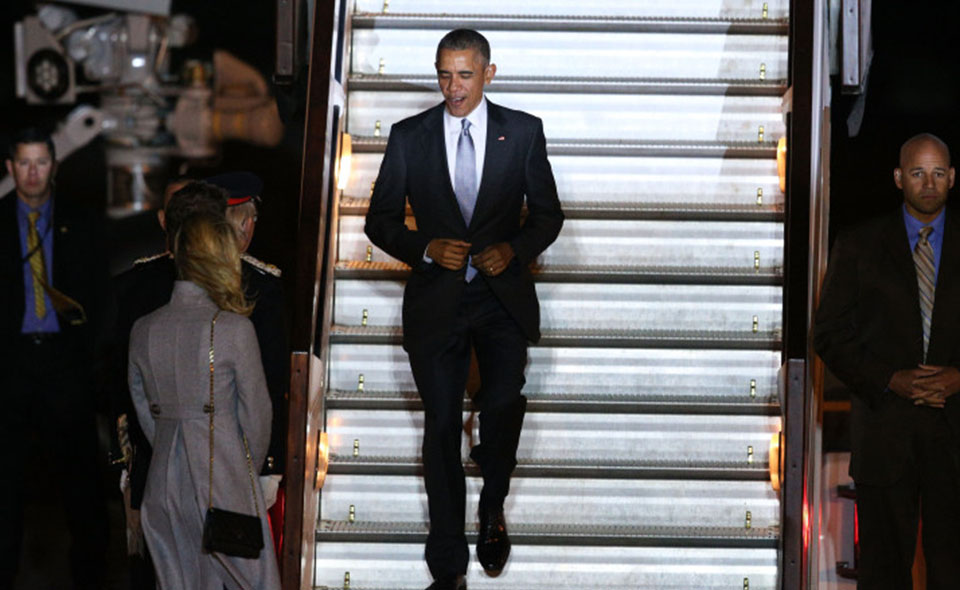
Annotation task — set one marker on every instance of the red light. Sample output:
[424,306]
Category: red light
[856,527]
[806,522]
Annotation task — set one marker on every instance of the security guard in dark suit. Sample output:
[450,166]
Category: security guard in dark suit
[53,279]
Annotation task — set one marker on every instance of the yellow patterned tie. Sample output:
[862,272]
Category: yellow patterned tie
[37,265]
[926,281]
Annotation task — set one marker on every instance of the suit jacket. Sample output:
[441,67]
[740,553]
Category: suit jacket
[868,326]
[415,168]
[148,286]
[169,385]
[79,271]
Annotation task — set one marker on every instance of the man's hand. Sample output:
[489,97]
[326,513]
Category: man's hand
[494,259]
[902,382]
[934,387]
[927,385]
[450,254]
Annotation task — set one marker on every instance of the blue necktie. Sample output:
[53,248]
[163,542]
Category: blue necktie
[465,181]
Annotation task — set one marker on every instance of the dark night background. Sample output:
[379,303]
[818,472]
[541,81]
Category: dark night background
[914,86]
[245,28]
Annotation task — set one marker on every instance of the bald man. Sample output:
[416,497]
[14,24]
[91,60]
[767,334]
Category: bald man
[889,327]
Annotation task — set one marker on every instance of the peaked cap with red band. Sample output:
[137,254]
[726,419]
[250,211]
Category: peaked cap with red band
[241,187]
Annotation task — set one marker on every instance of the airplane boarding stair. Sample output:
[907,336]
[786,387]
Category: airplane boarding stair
[644,460]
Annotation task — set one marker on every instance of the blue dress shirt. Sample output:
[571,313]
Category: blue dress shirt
[935,238]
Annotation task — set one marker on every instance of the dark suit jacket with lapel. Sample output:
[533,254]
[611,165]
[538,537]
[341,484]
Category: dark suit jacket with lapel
[868,326]
[415,168]
[79,271]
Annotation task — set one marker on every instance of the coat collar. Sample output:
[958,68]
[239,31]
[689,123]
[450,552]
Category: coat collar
[190,294]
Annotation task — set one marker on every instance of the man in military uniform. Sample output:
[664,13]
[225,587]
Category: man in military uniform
[264,287]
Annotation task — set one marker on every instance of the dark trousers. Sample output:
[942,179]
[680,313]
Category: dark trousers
[48,415]
[888,515]
[441,377]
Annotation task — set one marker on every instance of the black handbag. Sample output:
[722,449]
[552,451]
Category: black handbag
[225,531]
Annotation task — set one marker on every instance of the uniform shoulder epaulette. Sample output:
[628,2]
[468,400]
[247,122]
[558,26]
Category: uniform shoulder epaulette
[261,265]
[146,259]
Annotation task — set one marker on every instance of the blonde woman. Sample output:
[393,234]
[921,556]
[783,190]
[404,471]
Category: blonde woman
[169,376]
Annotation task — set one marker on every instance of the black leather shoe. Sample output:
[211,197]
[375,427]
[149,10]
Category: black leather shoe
[493,543]
[454,583]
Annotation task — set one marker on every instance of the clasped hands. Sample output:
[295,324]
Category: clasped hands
[452,255]
[927,385]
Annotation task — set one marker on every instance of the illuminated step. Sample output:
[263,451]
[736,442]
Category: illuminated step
[622,375]
[598,307]
[585,147]
[539,500]
[763,340]
[579,54]
[571,468]
[626,210]
[607,24]
[654,439]
[552,534]
[580,85]
[650,244]
[619,118]
[400,566]
[635,183]
[772,9]
[574,403]
[395,271]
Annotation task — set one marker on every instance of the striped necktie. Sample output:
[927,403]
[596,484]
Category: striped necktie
[926,281]
[38,265]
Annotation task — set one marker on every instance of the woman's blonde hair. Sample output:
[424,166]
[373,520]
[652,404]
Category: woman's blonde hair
[206,252]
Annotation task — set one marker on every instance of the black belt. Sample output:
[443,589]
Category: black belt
[39,338]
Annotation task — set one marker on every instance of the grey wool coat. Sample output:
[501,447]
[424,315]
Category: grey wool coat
[169,376]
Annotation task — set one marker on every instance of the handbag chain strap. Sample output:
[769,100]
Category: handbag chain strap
[246,447]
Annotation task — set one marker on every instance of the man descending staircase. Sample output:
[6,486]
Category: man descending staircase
[652,394]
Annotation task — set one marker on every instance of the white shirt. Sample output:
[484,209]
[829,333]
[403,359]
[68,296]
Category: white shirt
[452,127]
[451,135]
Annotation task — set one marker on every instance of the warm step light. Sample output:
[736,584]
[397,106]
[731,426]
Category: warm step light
[782,163]
[345,162]
[323,460]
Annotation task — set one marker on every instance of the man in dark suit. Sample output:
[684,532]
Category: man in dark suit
[889,327]
[53,282]
[466,167]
